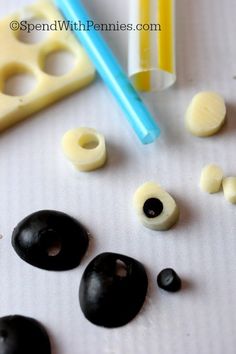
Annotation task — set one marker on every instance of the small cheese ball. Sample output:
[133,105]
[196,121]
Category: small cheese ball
[211,178]
[205,114]
[229,189]
[156,209]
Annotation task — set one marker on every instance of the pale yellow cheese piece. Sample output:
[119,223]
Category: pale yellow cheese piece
[18,57]
[229,189]
[85,148]
[211,178]
[170,213]
[205,114]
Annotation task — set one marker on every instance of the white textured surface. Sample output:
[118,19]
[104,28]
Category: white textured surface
[201,319]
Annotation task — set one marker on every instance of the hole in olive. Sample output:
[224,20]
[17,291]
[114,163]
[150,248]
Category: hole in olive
[153,207]
[58,62]
[167,276]
[88,141]
[33,30]
[121,269]
[54,249]
[18,81]
[50,242]
[168,279]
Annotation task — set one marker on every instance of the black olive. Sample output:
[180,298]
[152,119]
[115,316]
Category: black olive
[51,240]
[112,289]
[152,207]
[169,280]
[23,335]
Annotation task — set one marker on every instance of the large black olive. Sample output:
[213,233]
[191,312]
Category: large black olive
[51,240]
[23,335]
[112,289]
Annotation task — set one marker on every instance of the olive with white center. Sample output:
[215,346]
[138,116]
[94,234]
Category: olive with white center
[155,208]
[50,240]
[169,280]
[23,335]
[112,289]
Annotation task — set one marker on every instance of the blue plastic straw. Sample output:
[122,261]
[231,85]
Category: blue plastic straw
[111,72]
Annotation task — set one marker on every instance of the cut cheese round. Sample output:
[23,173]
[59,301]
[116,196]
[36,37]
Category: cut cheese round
[205,114]
[85,148]
[155,207]
[211,178]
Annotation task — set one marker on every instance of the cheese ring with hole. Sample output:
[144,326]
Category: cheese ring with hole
[85,148]
[155,207]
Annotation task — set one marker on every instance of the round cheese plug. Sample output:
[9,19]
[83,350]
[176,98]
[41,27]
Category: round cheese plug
[205,114]
[155,207]
[211,178]
[85,148]
[229,189]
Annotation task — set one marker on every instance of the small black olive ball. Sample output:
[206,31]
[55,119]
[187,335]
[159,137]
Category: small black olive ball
[153,207]
[51,240]
[23,335]
[112,290]
[169,280]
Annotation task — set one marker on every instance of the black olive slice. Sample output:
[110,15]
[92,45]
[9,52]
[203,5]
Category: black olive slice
[51,240]
[152,207]
[112,289]
[23,335]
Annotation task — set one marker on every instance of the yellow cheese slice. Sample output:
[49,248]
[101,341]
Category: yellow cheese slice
[205,114]
[18,57]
